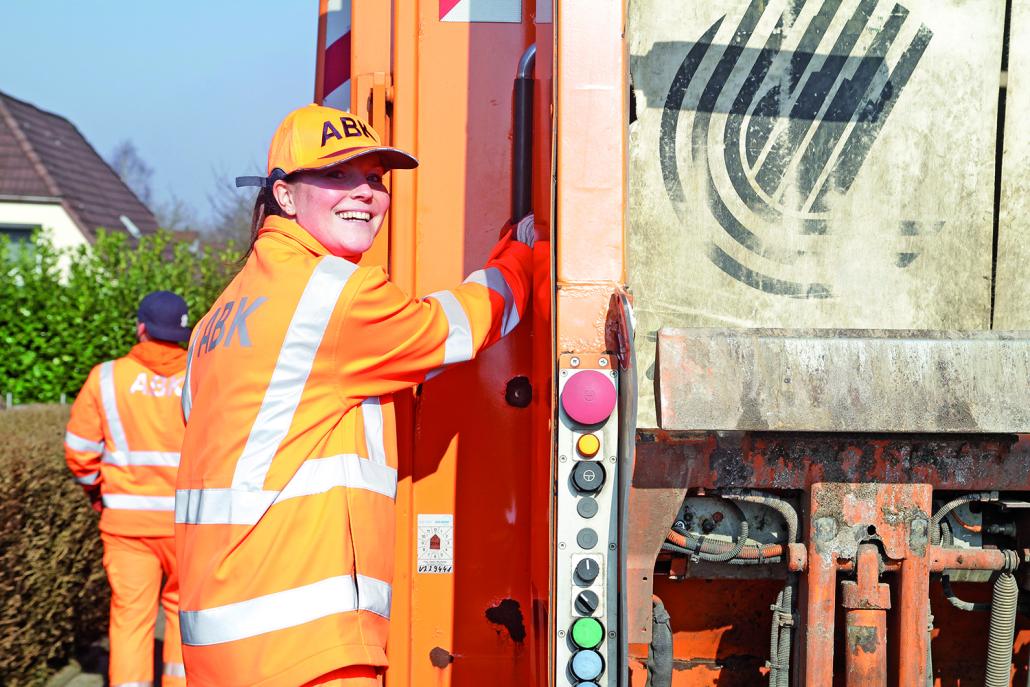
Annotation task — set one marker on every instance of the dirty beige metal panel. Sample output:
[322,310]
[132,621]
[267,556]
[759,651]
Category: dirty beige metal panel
[844,380]
[1012,288]
[827,163]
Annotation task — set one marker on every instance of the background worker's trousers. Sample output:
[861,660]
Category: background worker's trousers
[135,566]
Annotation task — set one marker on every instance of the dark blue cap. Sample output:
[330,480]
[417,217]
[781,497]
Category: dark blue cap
[165,315]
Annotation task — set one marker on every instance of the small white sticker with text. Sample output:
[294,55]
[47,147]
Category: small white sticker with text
[436,544]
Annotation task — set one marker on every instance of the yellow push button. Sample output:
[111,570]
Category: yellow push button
[588,445]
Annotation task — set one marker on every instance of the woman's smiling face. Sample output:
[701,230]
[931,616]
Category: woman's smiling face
[343,207]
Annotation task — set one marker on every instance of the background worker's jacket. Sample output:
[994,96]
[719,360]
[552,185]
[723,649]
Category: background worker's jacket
[124,435]
[285,497]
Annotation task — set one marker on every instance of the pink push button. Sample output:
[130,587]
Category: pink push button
[589,397]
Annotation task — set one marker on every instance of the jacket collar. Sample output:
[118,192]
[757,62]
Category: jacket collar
[166,358]
[293,233]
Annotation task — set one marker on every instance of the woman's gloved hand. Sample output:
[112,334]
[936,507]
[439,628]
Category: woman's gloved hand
[525,230]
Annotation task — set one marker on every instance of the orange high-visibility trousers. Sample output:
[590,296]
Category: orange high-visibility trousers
[351,676]
[135,566]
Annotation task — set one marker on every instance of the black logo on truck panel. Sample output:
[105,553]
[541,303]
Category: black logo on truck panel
[794,128]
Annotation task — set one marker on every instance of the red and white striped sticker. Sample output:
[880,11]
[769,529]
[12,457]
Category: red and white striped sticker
[336,74]
[505,11]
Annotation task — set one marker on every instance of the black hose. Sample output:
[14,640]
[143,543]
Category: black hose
[1003,626]
[659,655]
[780,505]
[935,521]
[959,603]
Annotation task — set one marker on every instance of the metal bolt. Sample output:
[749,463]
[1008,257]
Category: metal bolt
[603,362]
[561,545]
[564,373]
[611,459]
[574,362]
[563,458]
[561,633]
[612,373]
[611,547]
[611,633]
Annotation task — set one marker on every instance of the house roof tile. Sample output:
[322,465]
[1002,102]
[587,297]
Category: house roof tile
[43,154]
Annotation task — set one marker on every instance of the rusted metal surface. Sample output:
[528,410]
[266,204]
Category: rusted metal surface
[850,380]
[849,521]
[720,643]
[819,594]
[866,592]
[783,460]
[866,648]
[966,559]
[658,487]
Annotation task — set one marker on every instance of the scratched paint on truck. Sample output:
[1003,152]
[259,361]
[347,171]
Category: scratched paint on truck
[826,163]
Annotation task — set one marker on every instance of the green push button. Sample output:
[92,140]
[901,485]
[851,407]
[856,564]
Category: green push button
[587,632]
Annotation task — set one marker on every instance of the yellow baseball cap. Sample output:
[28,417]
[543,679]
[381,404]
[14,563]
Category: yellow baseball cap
[317,137]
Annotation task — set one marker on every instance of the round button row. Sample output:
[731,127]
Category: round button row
[588,476]
[586,664]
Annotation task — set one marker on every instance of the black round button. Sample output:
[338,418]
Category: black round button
[586,507]
[586,538]
[588,476]
[587,571]
[586,602]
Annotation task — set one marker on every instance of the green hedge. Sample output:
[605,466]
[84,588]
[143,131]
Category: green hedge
[53,592]
[62,312]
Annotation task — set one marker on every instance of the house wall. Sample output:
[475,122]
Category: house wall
[50,216]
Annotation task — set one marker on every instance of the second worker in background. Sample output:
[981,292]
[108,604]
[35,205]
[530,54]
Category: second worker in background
[122,446]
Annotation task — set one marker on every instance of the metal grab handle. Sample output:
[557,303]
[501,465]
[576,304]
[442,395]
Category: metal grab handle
[522,137]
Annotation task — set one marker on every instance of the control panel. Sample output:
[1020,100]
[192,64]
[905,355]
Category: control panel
[586,557]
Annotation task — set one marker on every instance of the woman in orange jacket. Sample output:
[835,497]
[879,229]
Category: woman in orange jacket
[285,491]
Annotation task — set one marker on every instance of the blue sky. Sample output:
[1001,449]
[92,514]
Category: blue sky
[198,86]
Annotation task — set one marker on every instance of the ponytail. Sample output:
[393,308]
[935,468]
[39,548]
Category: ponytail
[264,205]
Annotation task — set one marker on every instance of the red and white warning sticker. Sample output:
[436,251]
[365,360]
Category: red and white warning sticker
[436,544]
[506,11]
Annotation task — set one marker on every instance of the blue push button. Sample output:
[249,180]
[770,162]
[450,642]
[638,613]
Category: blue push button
[587,665]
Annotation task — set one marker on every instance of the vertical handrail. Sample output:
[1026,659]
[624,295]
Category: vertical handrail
[522,137]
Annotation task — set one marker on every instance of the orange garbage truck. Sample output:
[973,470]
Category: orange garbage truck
[765,421]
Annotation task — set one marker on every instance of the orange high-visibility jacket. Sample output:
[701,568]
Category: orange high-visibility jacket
[124,434]
[285,496]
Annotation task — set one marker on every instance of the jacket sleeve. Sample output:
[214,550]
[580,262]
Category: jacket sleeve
[390,341]
[84,437]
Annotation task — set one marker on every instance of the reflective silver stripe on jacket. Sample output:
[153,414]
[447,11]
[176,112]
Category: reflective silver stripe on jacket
[77,443]
[372,415]
[493,279]
[458,347]
[166,459]
[137,502]
[292,368]
[187,396]
[315,476]
[91,478]
[108,400]
[174,669]
[285,609]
